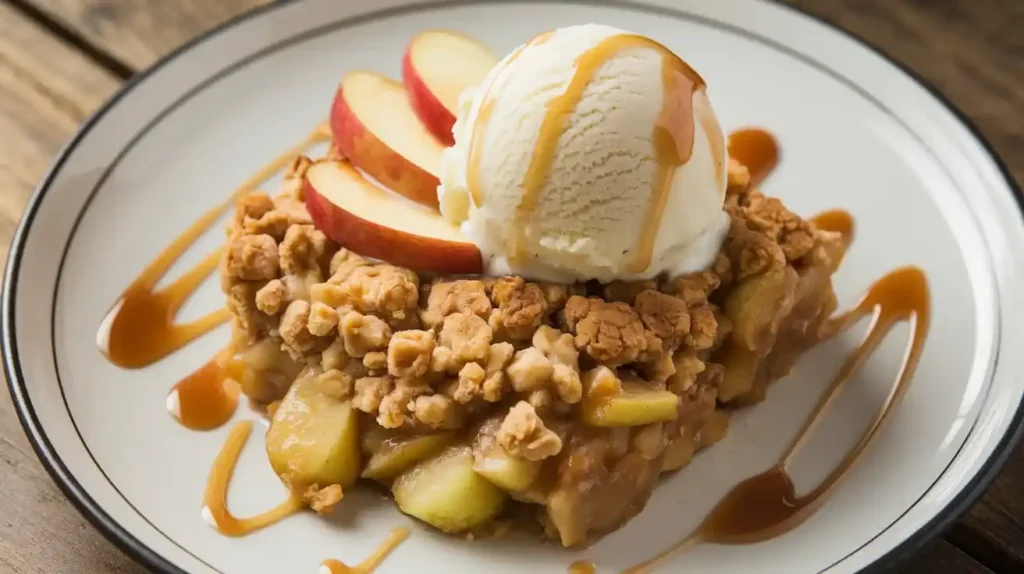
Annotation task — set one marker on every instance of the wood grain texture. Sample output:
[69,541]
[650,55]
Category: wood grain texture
[137,32]
[994,529]
[943,558]
[972,50]
[46,91]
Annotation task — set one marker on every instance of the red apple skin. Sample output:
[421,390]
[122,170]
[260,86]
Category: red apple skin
[370,154]
[435,117]
[395,246]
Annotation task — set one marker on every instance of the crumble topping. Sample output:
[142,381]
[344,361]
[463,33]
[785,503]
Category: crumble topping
[523,434]
[409,353]
[323,500]
[611,333]
[370,391]
[271,297]
[252,257]
[468,337]
[297,340]
[323,319]
[447,297]
[427,353]
[384,290]
[519,308]
[363,333]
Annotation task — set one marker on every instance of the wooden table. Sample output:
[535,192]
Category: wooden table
[60,59]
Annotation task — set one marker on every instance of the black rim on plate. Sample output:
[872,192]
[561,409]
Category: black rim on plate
[137,550]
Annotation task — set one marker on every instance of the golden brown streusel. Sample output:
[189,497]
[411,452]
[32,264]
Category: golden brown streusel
[271,298]
[530,370]
[396,407]
[467,335]
[463,296]
[453,353]
[323,319]
[524,435]
[301,249]
[664,315]
[495,381]
[336,383]
[363,333]
[410,352]
[252,258]
[470,383]
[370,391]
[322,500]
[611,333]
[295,335]
[382,290]
[520,307]
[376,361]
[437,412]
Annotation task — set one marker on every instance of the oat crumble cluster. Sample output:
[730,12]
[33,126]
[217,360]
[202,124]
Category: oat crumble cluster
[417,353]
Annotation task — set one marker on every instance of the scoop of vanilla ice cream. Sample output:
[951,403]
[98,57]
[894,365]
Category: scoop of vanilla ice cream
[595,200]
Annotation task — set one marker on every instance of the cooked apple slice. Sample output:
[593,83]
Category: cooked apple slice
[438,65]
[374,126]
[504,470]
[446,493]
[635,405]
[372,436]
[398,454]
[313,437]
[376,223]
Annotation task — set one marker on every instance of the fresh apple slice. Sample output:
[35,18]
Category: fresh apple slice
[375,223]
[438,65]
[374,126]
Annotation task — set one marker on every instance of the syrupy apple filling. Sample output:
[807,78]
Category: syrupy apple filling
[475,399]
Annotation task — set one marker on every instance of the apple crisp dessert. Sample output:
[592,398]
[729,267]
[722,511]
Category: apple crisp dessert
[471,397]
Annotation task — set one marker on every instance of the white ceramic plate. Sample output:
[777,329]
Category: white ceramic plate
[857,132]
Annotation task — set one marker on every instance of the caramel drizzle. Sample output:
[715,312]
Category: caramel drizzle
[215,497]
[582,567]
[757,149]
[766,505]
[141,326]
[709,123]
[367,566]
[476,144]
[672,136]
[141,329]
[207,398]
[837,221]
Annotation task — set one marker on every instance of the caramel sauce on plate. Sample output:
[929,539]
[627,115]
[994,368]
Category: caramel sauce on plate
[766,505]
[215,497]
[397,536]
[672,136]
[837,221]
[757,149]
[141,327]
[582,567]
[207,398]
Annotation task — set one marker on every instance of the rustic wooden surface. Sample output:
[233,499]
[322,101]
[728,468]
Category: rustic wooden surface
[59,59]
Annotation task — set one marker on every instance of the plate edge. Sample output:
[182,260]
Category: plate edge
[141,553]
